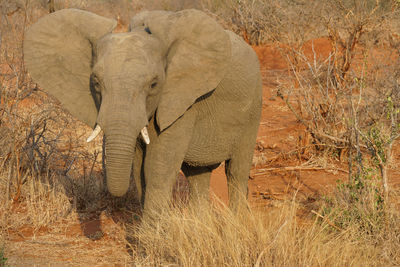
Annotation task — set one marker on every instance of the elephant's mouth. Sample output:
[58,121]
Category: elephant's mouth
[119,156]
[143,133]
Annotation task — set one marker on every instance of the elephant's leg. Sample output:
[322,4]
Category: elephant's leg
[237,174]
[138,174]
[237,169]
[199,182]
[163,160]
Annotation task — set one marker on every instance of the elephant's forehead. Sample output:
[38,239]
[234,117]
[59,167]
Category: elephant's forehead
[121,53]
[128,39]
[131,42]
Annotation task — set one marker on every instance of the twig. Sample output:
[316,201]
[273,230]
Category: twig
[327,220]
[336,139]
[295,168]
[63,244]
[96,153]
[323,135]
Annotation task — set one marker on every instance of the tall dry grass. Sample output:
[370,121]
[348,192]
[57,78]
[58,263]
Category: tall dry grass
[214,236]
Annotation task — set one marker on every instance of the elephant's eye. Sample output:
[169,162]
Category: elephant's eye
[154,84]
[95,81]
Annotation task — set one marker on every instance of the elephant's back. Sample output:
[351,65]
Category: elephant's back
[244,60]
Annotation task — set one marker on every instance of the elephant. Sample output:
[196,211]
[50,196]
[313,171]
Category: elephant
[174,92]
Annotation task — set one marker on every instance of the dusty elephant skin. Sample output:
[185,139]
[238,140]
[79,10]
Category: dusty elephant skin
[194,85]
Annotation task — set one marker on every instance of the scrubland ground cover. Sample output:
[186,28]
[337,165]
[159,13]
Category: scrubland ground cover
[331,92]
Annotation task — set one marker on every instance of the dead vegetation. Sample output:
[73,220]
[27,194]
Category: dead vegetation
[348,102]
[210,236]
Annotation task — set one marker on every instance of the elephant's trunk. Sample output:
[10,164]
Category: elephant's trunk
[121,117]
[120,148]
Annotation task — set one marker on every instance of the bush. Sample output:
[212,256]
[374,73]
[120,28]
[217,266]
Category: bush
[349,101]
[3,259]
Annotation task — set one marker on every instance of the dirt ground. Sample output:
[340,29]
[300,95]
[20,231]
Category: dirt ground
[282,167]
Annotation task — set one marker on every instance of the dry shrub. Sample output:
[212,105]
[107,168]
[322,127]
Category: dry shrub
[210,236]
[121,10]
[349,101]
[170,5]
[265,21]
[361,210]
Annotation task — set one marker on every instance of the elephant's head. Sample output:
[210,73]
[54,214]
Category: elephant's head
[118,81]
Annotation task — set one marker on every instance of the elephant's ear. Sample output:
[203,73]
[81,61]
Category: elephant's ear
[198,56]
[58,55]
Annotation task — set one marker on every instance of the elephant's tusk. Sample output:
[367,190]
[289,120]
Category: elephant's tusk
[145,135]
[95,132]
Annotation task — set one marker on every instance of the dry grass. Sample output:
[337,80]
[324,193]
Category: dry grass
[210,236]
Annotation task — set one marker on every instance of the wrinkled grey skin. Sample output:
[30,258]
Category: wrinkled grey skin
[196,86]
